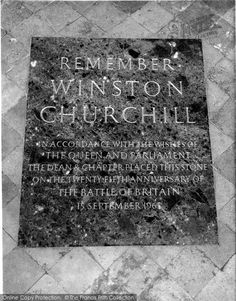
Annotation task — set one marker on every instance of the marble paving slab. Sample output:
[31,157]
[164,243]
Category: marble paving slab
[117,148]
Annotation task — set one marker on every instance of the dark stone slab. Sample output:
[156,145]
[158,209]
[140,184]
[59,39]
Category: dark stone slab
[106,174]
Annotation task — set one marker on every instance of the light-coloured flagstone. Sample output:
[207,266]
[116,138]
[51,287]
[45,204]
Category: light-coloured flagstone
[8,243]
[221,253]
[219,141]
[10,218]
[46,285]
[152,16]
[192,270]
[76,271]
[20,272]
[227,214]
[222,286]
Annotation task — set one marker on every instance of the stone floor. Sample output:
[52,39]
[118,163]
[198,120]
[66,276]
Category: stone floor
[200,273]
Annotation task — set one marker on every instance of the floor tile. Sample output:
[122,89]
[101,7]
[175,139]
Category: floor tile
[76,271]
[223,39]
[225,164]
[224,190]
[229,16]
[8,244]
[19,73]
[224,118]
[11,93]
[175,7]
[12,165]
[165,289]
[11,217]
[17,262]
[129,28]
[3,32]
[162,255]
[175,29]
[221,287]
[105,255]
[132,272]
[16,116]
[129,6]
[219,7]
[13,13]
[192,270]
[46,285]
[80,6]
[105,15]
[147,16]
[33,26]
[221,253]
[12,50]
[216,98]
[47,257]
[59,14]
[9,190]
[211,55]
[223,75]
[35,6]
[81,28]
[227,214]
[10,139]
[199,17]
[219,141]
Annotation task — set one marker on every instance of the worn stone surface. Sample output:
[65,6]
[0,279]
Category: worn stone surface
[227,214]
[219,141]
[16,116]
[224,118]
[18,263]
[226,248]
[105,15]
[226,164]
[19,73]
[11,93]
[59,14]
[132,272]
[105,256]
[10,140]
[146,16]
[12,165]
[222,286]
[225,190]
[46,285]
[222,74]
[12,51]
[192,270]
[128,26]
[9,190]
[47,257]
[13,12]
[216,98]
[164,289]
[81,28]
[8,243]
[68,271]
[11,217]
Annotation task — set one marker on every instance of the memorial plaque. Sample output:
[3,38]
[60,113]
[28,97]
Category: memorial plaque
[117,148]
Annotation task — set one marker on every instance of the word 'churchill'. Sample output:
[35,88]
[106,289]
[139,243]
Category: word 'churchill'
[133,115]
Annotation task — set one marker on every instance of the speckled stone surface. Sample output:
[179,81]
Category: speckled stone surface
[62,202]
